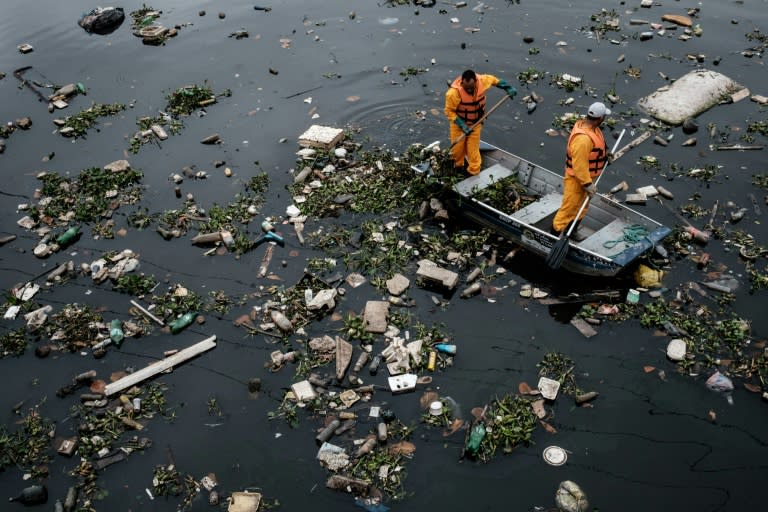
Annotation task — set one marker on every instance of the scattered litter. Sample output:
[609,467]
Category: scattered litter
[676,350]
[570,498]
[688,96]
[160,366]
[102,20]
[583,327]
[554,455]
[548,387]
[321,137]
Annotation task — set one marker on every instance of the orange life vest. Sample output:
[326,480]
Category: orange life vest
[598,155]
[471,108]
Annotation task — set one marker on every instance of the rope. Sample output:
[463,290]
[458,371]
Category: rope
[631,234]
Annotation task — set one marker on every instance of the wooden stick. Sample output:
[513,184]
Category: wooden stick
[636,142]
[160,366]
[479,121]
[146,312]
[265,260]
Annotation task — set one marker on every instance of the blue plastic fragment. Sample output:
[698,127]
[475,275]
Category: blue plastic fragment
[370,506]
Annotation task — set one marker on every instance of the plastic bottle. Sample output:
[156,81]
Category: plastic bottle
[182,322]
[475,437]
[32,495]
[373,369]
[68,236]
[116,333]
[470,290]
[446,348]
[327,432]
[700,236]
[381,432]
[366,447]
[432,360]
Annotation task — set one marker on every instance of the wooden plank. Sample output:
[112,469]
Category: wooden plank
[611,232]
[160,366]
[485,178]
[540,209]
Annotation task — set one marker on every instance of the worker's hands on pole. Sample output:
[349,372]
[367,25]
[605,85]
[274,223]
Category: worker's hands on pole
[506,87]
[461,124]
[590,189]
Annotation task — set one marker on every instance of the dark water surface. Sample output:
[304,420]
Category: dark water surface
[648,443]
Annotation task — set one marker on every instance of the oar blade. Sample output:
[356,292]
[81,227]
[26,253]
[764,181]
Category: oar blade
[558,253]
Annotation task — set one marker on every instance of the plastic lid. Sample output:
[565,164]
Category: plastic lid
[436,408]
[554,455]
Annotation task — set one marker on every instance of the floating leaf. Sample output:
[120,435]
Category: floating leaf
[353,98]
[549,428]
[477,412]
[538,409]
[712,416]
[524,389]
[752,387]
[455,425]
[98,386]
[427,398]
[402,448]
[649,369]
[117,376]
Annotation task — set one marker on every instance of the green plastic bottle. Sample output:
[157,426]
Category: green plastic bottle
[476,435]
[68,236]
[116,333]
[182,322]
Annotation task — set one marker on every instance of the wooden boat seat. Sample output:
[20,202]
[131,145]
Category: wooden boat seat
[540,209]
[610,232]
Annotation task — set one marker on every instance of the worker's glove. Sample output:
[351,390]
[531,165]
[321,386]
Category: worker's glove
[590,189]
[461,124]
[511,91]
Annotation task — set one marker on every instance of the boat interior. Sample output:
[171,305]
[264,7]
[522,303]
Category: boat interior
[602,230]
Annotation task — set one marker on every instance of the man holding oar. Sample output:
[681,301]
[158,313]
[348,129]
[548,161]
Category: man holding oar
[465,109]
[585,159]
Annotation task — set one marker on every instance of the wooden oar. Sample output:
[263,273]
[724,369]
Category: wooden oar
[479,121]
[560,249]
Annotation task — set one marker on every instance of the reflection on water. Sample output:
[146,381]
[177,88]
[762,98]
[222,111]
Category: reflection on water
[647,444]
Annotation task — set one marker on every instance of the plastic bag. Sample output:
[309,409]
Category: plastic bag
[646,277]
[102,20]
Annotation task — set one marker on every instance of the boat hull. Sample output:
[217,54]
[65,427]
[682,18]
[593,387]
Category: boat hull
[606,247]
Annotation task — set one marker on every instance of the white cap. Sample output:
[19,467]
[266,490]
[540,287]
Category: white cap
[598,110]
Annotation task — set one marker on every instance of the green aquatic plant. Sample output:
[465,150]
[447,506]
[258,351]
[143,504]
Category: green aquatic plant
[78,125]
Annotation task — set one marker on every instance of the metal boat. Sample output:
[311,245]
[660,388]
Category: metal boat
[609,239]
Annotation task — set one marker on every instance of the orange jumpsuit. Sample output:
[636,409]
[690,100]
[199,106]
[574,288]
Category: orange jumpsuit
[470,108]
[586,157]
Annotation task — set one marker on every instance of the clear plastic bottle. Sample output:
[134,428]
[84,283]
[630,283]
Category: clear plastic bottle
[32,495]
[116,333]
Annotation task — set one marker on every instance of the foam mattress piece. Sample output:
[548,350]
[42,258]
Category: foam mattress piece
[688,96]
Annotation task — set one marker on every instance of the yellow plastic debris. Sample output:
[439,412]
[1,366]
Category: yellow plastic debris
[647,277]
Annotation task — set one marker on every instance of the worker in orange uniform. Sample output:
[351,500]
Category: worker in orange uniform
[585,158]
[464,106]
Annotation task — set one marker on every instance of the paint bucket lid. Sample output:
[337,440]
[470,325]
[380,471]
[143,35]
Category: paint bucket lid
[436,408]
[554,455]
